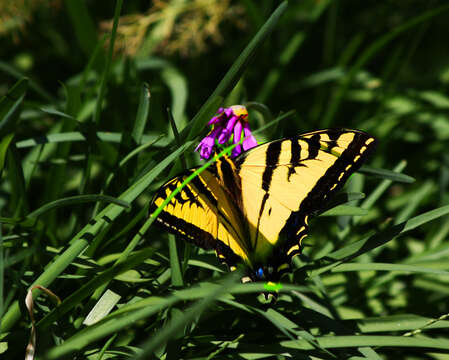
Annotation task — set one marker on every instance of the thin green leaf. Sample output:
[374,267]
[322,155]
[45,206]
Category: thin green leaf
[9,106]
[387,267]
[74,136]
[234,73]
[74,200]
[387,174]
[335,342]
[346,210]
[142,114]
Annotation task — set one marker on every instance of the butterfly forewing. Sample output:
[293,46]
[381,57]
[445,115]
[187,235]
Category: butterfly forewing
[284,181]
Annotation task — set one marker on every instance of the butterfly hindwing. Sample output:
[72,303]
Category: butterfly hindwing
[203,214]
[284,181]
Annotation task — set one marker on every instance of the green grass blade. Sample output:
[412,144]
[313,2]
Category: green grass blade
[387,174]
[75,136]
[2,275]
[275,74]
[39,90]
[402,322]
[336,342]
[4,146]
[142,114]
[107,66]
[9,106]
[420,195]
[177,85]
[388,267]
[74,200]
[346,210]
[234,73]
[83,25]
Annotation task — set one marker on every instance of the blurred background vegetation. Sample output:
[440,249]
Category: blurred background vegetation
[73,108]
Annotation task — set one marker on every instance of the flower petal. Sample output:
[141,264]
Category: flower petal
[236,151]
[214,120]
[237,132]
[226,133]
[249,141]
[206,145]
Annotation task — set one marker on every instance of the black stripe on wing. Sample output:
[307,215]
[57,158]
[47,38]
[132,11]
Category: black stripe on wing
[225,170]
[198,237]
[271,160]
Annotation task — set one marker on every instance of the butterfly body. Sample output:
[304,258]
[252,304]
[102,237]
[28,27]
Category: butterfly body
[254,209]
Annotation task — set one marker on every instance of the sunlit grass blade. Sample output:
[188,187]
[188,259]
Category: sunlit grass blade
[401,322]
[335,342]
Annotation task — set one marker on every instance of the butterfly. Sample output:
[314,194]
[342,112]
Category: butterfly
[254,209]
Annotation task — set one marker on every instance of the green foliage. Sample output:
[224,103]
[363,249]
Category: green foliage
[87,134]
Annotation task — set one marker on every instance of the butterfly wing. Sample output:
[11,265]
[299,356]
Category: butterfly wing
[203,213]
[284,181]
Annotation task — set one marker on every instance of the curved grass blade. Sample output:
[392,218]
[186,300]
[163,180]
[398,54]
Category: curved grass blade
[74,200]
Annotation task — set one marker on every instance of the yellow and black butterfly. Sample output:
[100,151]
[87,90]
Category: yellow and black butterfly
[254,209]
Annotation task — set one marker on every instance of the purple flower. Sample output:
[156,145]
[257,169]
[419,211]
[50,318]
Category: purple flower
[226,124]
[206,145]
